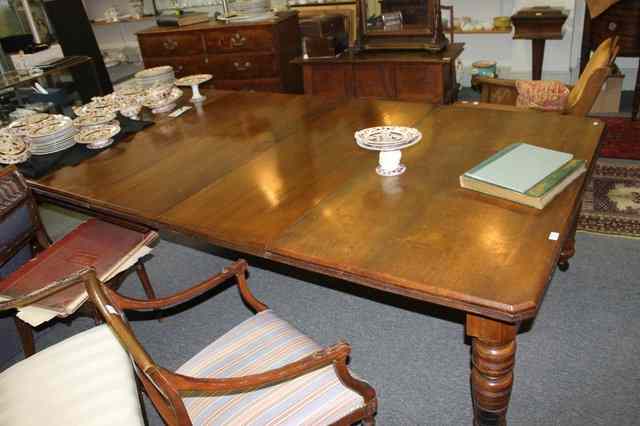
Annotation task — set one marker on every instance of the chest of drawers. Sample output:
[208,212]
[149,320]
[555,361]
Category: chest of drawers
[622,20]
[251,56]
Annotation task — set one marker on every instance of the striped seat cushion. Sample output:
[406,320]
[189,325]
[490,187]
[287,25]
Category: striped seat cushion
[85,380]
[262,343]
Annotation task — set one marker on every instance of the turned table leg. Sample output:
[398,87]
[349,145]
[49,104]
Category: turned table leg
[493,359]
[569,247]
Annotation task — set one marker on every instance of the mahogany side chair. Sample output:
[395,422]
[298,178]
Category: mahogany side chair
[503,93]
[25,242]
[263,371]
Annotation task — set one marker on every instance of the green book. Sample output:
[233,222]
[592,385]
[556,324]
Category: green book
[519,167]
[537,195]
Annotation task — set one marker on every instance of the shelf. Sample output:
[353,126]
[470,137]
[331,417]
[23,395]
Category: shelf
[124,21]
[446,31]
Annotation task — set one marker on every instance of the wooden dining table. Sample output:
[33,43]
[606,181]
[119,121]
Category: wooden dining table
[280,177]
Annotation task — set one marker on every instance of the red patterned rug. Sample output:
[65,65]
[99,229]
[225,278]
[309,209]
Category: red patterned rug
[622,139]
[611,202]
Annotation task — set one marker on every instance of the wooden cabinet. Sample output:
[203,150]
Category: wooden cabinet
[253,56]
[409,76]
[622,20]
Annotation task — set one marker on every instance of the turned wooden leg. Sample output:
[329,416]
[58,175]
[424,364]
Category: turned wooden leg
[146,284]
[537,58]
[569,247]
[26,337]
[144,279]
[493,359]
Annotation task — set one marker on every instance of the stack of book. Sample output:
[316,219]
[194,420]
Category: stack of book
[525,174]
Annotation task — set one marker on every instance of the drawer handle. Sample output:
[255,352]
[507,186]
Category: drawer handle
[179,68]
[237,40]
[170,44]
[242,67]
[612,26]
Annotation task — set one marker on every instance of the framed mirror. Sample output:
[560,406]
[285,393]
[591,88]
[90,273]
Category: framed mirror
[402,25]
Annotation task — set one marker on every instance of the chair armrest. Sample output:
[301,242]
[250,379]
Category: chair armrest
[497,90]
[80,277]
[237,269]
[337,353]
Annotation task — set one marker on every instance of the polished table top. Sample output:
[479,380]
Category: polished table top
[280,176]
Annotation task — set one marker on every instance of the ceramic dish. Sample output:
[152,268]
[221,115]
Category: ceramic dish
[94,118]
[154,72]
[161,105]
[13,149]
[51,128]
[387,138]
[23,125]
[97,137]
[193,79]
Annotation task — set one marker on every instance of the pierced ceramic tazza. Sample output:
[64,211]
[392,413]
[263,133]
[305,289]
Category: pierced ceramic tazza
[24,125]
[389,140]
[97,137]
[195,81]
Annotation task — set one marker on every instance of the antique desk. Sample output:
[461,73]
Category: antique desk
[240,56]
[279,176]
[402,75]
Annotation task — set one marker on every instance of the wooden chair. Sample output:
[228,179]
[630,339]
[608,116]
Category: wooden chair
[582,96]
[23,236]
[263,370]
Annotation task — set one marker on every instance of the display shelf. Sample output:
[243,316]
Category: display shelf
[123,21]
[501,31]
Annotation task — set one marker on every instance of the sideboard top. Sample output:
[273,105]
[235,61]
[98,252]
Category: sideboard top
[212,24]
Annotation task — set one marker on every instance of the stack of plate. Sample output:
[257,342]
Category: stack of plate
[155,76]
[52,135]
[13,149]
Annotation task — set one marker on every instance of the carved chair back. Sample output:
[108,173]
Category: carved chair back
[586,90]
[21,231]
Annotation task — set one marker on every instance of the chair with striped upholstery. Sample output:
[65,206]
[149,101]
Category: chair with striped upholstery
[263,371]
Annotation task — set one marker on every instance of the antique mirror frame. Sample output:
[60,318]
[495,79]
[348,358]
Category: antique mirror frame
[405,37]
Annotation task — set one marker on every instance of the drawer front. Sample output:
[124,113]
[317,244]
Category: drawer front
[264,85]
[623,20]
[419,82]
[243,67]
[239,40]
[171,45]
[181,66]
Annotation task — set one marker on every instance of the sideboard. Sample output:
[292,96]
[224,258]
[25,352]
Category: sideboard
[401,75]
[622,20]
[249,56]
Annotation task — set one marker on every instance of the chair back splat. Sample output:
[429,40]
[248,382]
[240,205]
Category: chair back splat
[21,231]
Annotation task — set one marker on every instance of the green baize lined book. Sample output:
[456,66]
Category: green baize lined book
[525,174]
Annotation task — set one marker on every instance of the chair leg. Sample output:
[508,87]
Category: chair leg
[146,283]
[26,337]
[144,280]
[369,421]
